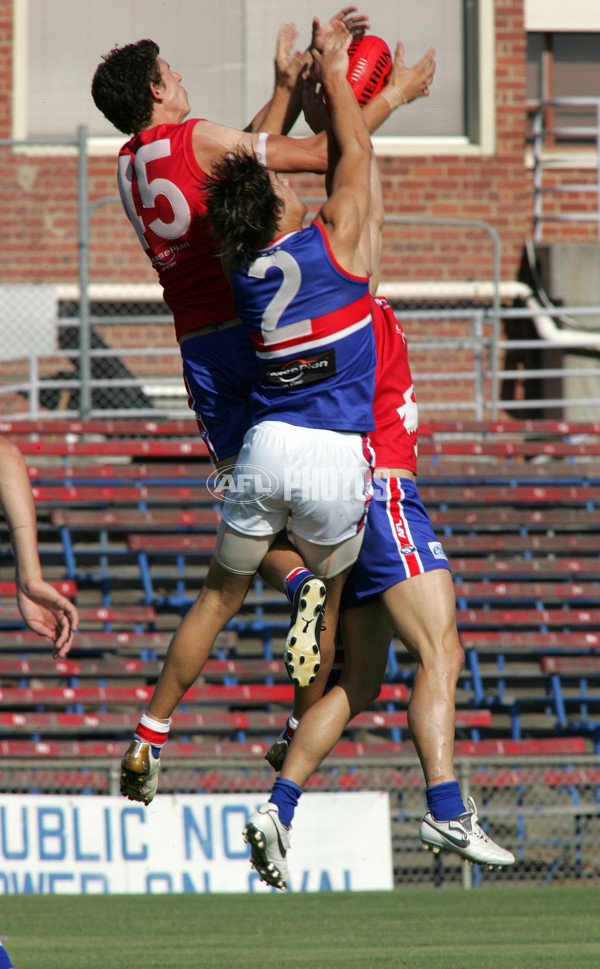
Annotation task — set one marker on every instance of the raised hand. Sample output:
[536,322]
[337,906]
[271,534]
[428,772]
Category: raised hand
[333,57]
[356,23]
[409,83]
[320,32]
[289,63]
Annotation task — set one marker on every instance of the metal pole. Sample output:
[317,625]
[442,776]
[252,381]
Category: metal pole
[463,773]
[84,307]
[598,167]
[537,144]
[113,781]
[34,387]
[479,362]
[495,354]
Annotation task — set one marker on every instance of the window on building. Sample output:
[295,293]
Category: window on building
[225,55]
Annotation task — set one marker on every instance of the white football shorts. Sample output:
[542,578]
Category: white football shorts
[321,478]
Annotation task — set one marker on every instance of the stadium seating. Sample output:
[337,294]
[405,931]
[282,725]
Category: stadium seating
[103,617]
[127,520]
[8,590]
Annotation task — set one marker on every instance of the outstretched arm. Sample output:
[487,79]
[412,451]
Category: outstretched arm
[345,211]
[319,119]
[43,608]
[405,85]
[211,142]
[282,154]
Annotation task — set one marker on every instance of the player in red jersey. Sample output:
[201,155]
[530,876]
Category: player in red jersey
[400,584]
[161,174]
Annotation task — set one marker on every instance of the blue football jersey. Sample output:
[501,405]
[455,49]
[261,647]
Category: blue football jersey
[310,323]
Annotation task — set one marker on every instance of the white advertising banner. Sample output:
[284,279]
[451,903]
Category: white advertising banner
[186,843]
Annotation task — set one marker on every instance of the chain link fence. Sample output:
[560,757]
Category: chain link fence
[545,810]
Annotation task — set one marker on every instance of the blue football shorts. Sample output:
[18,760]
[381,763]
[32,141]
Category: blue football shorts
[399,542]
[220,368]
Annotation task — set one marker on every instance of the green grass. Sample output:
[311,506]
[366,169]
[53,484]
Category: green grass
[497,928]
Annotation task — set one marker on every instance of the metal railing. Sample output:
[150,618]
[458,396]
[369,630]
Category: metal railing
[470,365]
[547,136]
[102,368]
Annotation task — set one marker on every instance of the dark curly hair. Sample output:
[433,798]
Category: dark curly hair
[242,206]
[121,85]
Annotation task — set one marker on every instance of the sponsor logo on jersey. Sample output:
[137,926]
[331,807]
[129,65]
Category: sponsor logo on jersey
[166,257]
[436,550]
[301,371]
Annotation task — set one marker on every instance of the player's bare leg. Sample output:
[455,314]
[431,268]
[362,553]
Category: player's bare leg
[367,635]
[281,559]
[305,697]
[219,600]
[423,615]
[267,830]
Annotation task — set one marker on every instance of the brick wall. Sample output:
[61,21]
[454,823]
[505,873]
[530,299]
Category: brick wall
[40,196]
[579,202]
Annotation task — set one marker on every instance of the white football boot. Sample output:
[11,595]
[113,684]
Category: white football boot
[465,837]
[269,841]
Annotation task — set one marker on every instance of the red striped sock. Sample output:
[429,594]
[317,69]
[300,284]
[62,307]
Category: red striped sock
[293,579]
[152,731]
[290,728]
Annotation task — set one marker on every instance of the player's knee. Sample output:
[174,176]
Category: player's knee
[452,657]
[459,658]
[360,693]
[443,657]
